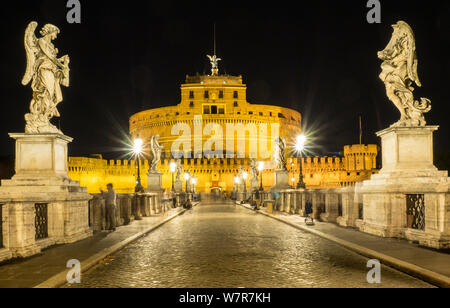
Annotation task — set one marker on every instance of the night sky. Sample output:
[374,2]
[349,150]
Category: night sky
[318,57]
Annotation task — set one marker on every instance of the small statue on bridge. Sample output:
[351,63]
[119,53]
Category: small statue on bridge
[179,170]
[156,149]
[279,153]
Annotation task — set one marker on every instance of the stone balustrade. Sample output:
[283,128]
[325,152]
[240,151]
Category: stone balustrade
[346,207]
[129,208]
[343,206]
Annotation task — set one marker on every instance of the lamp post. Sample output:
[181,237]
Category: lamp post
[194,184]
[236,187]
[173,169]
[300,146]
[137,149]
[244,177]
[261,169]
[187,177]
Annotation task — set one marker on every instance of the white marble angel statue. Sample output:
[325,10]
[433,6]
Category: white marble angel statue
[156,149]
[179,170]
[254,169]
[47,73]
[279,153]
[399,73]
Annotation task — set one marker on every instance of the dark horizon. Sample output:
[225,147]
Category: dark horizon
[321,61]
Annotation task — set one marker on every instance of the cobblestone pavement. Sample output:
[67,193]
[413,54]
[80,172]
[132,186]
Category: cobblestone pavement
[227,246]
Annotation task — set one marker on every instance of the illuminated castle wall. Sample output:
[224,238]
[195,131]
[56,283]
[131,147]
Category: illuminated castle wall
[198,131]
[358,164]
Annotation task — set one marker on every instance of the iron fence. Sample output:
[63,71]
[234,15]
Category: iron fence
[415,211]
[41,221]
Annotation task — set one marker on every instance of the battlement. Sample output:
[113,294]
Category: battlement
[214,80]
[358,164]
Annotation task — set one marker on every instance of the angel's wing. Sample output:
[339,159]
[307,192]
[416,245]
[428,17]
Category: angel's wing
[412,61]
[31,49]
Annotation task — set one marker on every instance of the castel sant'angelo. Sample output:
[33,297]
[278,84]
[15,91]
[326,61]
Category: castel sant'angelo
[216,133]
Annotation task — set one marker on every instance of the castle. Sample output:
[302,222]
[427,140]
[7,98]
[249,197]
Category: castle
[215,131]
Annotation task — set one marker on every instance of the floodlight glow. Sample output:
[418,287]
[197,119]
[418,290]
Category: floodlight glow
[137,147]
[300,145]
[245,175]
[173,167]
[261,166]
[187,176]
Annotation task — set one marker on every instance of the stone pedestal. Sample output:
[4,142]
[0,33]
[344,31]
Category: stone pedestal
[281,180]
[155,182]
[408,171]
[254,184]
[178,186]
[41,179]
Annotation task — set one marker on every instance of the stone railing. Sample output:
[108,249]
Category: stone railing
[130,207]
[342,206]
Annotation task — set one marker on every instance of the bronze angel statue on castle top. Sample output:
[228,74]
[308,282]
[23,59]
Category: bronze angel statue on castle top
[399,74]
[47,73]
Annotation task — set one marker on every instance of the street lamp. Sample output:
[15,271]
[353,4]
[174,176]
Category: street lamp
[187,177]
[194,184]
[244,177]
[261,169]
[237,181]
[173,169]
[137,149]
[300,147]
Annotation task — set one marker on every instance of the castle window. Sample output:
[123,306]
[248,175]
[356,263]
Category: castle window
[191,95]
[214,109]
[191,105]
[236,104]
[221,94]
[281,116]
[261,114]
[236,95]
[206,109]
[221,110]
[206,94]
[250,112]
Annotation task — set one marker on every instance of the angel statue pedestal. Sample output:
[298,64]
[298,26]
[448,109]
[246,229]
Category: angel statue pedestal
[281,172]
[409,198]
[155,176]
[155,182]
[45,206]
[281,180]
[178,186]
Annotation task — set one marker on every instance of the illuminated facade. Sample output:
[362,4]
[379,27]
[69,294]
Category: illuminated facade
[214,125]
[200,124]
[358,164]
[215,131]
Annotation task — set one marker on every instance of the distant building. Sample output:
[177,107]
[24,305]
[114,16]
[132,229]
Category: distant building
[215,131]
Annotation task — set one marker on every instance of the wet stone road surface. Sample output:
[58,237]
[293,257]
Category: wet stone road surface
[227,246]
